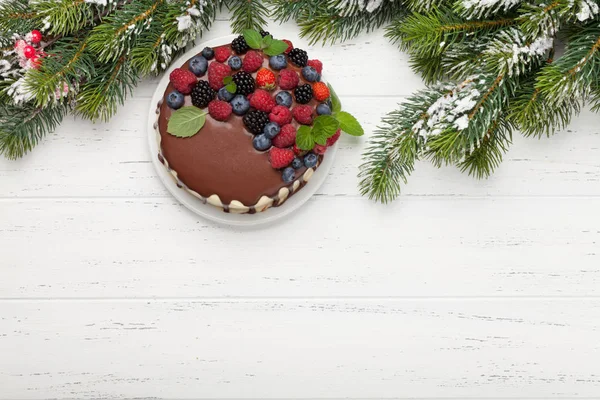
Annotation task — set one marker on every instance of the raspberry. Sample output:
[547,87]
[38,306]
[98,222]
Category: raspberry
[216,73]
[320,91]
[298,151]
[219,110]
[288,79]
[290,46]
[280,158]
[265,79]
[262,101]
[316,64]
[303,114]
[286,137]
[280,114]
[331,141]
[222,54]
[183,80]
[319,149]
[252,62]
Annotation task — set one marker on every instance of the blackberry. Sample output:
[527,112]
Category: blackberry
[202,94]
[298,57]
[264,33]
[255,121]
[303,94]
[239,45]
[245,83]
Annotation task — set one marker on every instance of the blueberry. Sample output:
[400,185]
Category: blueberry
[175,99]
[323,109]
[310,160]
[240,105]
[288,174]
[261,142]
[271,130]
[297,163]
[225,95]
[235,62]
[284,99]
[208,53]
[198,65]
[310,74]
[278,62]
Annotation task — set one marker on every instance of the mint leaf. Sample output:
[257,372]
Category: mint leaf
[324,127]
[276,47]
[335,100]
[304,139]
[349,124]
[186,121]
[267,40]
[227,80]
[231,88]
[253,38]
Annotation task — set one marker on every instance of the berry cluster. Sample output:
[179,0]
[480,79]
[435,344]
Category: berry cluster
[235,80]
[29,50]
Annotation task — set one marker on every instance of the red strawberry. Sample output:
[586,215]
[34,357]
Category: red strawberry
[332,140]
[265,79]
[216,73]
[288,79]
[183,80]
[252,62]
[316,64]
[303,114]
[219,110]
[262,101]
[222,53]
[319,149]
[290,46]
[286,137]
[320,91]
[280,158]
[281,114]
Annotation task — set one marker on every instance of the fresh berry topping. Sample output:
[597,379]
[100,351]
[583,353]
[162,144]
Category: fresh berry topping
[245,82]
[271,130]
[252,62]
[216,73]
[281,114]
[316,64]
[297,150]
[219,110]
[264,33]
[331,141]
[235,62]
[202,94]
[175,100]
[297,163]
[320,91]
[298,57]
[208,53]
[36,36]
[198,65]
[239,45]
[303,94]
[290,46]
[319,149]
[310,74]
[286,138]
[323,109]
[28,51]
[265,79]
[262,100]
[310,160]
[288,174]
[255,121]
[280,158]
[240,105]
[182,80]
[303,114]
[261,142]
[278,62]
[284,99]
[225,94]
[222,54]
[288,79]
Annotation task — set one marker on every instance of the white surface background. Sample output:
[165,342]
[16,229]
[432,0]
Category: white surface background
[461,289]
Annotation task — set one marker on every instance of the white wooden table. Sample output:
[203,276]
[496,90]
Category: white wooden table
[461,289]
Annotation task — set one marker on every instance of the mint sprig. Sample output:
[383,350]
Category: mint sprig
[186,122]
[269,46]
[230,85]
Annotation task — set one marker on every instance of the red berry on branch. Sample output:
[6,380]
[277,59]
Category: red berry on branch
[35,62]
[29,51]
[36,36]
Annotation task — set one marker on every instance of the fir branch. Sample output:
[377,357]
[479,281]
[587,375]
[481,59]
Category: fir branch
[286,10]
[488,154]
[63,17]
[247,14]
[16,16]
[475,9]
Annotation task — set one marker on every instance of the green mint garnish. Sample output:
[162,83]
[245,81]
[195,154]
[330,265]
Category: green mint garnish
[253,38]
[349,124]
[335,100]
[186,121]
[231,88]
[267,44]
[304,139]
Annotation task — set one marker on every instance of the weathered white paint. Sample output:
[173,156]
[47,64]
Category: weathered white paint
[461,289]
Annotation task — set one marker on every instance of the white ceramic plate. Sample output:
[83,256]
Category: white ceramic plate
[206,210]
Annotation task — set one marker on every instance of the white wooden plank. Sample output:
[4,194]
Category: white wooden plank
[300,349]
[333,246]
